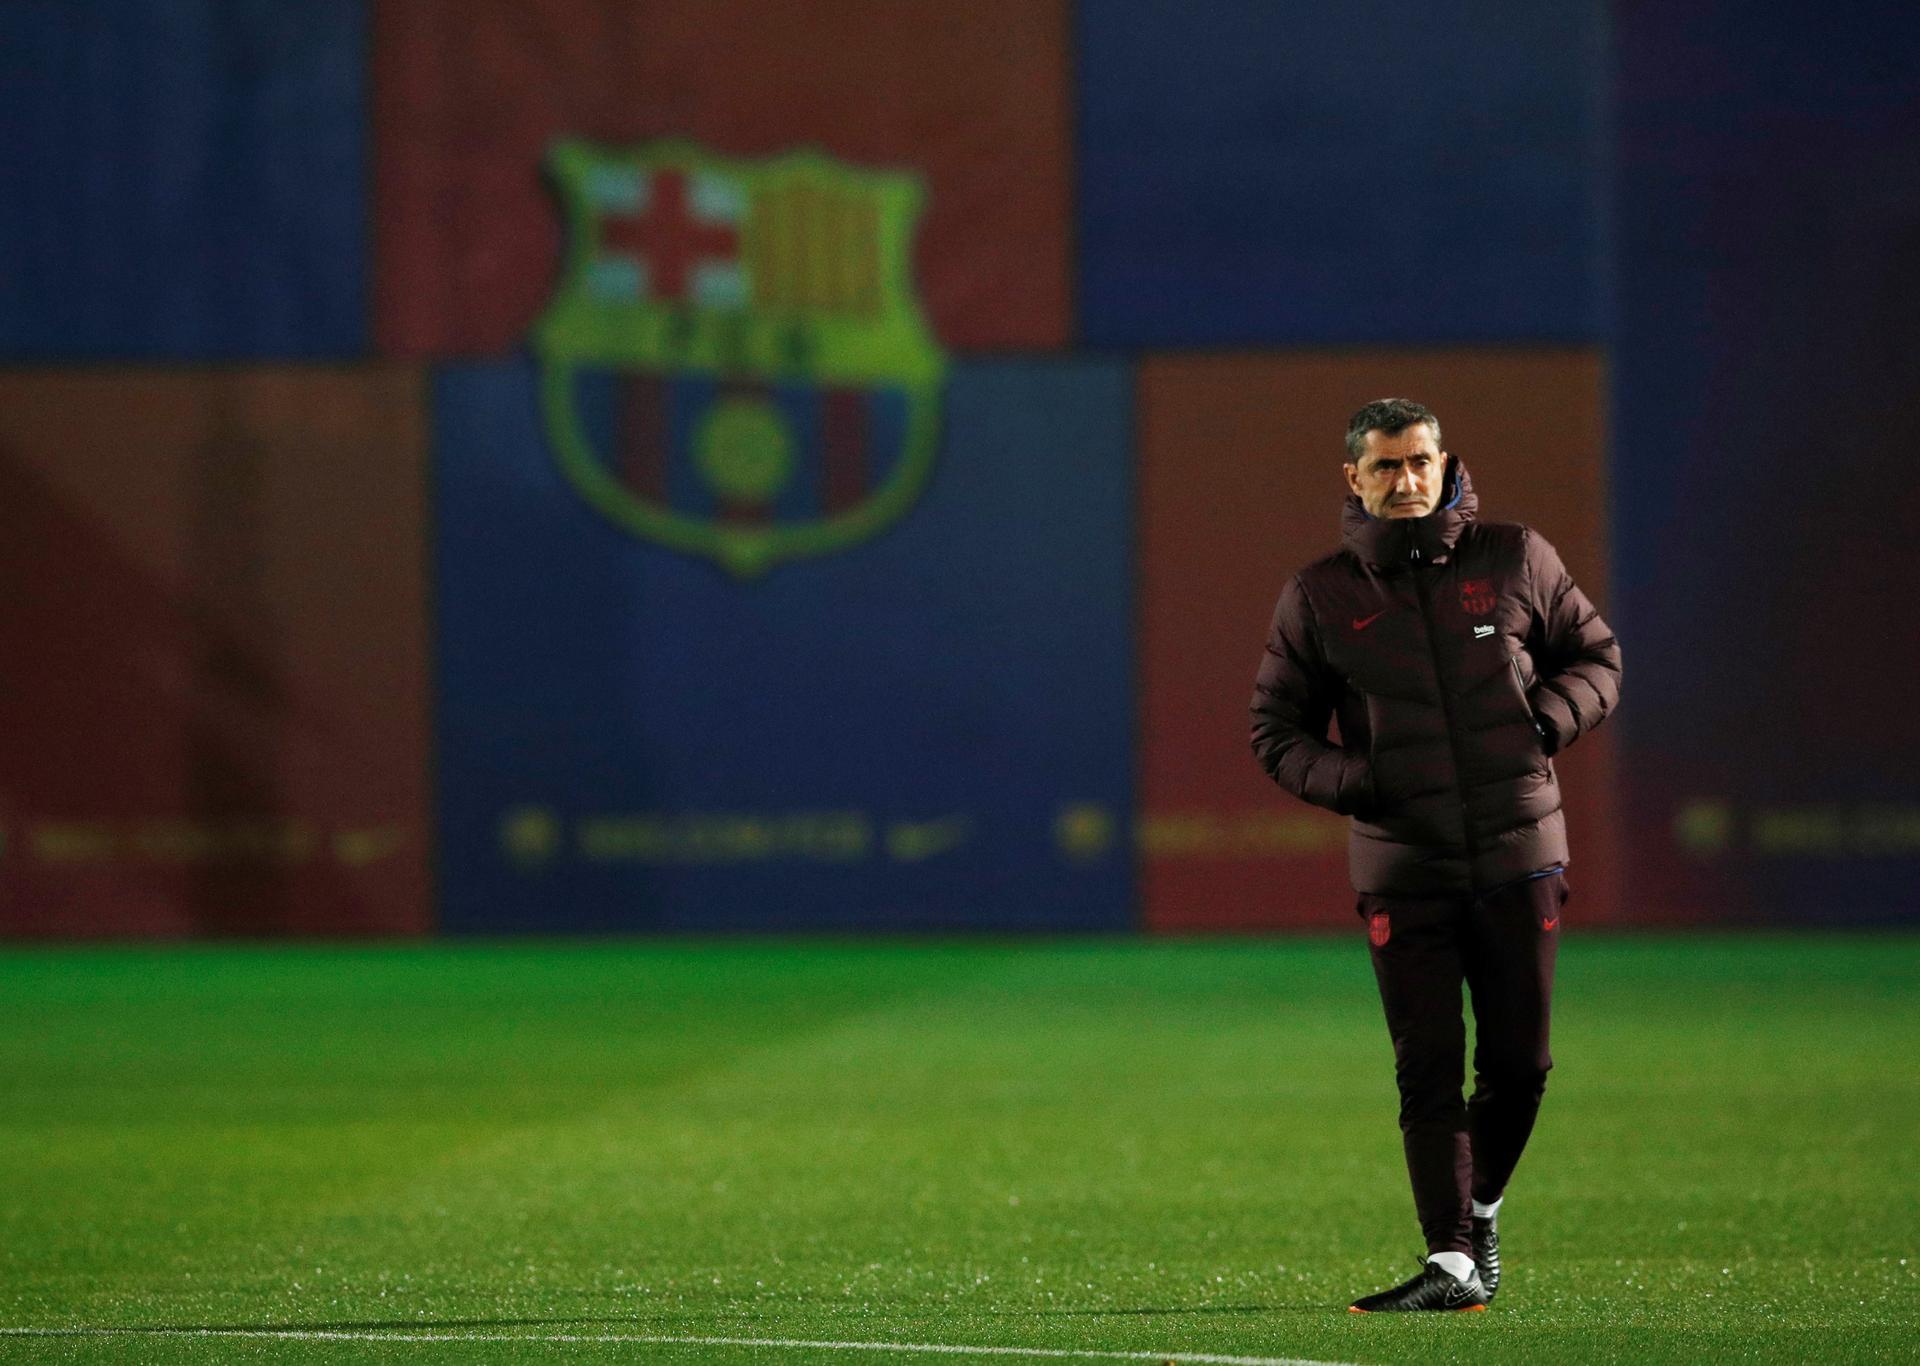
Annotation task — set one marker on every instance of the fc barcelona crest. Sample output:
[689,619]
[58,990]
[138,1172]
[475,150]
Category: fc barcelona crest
[734,363]
[1476,596]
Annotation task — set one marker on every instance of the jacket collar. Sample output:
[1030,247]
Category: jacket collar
[1403,542]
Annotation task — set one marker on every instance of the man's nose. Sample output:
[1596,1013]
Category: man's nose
[1406,479]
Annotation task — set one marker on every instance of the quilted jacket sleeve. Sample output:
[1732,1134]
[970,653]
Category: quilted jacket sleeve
[1293,698]
[1577,656]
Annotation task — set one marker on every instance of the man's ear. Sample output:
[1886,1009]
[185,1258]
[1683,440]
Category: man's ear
[1352,471]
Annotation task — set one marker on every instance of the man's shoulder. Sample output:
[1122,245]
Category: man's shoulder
[1303,596]
[1514,533]
[1507,539]
[1337,563]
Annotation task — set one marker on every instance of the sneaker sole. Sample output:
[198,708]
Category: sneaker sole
[1463,1309]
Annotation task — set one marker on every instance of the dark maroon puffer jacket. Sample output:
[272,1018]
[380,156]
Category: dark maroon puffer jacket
[1457,657]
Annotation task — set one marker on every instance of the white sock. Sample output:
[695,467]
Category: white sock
[1492,1211]
[1456,1264]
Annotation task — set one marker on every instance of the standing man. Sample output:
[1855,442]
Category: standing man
[1457,657]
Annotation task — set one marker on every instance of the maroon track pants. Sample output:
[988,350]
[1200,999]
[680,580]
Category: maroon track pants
[1502,946]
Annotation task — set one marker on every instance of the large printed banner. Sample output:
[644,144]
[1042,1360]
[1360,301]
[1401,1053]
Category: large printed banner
[216,695]
[1393,173]
[797,565]
[1766,373]
[472,96]
[652,717]
[183,179]
[1240,486]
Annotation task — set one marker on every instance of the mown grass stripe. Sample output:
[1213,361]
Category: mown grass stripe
[656,1339]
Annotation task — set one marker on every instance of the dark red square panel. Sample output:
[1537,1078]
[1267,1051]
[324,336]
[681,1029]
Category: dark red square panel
[972,95]
[215,705]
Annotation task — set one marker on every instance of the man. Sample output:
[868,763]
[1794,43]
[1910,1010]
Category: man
[1457,657]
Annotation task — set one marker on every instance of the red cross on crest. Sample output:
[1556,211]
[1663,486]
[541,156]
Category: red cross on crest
[668,237]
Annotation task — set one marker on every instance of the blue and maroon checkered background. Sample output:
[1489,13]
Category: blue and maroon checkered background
[307,631]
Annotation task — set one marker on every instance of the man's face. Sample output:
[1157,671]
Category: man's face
[1399,476]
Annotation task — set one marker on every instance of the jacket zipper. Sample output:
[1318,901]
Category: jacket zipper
[1446,713]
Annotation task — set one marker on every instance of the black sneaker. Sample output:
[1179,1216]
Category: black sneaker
[1434,1288]
[1486,1254]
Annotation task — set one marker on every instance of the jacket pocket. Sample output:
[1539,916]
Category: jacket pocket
[1381,801]
[1535,738]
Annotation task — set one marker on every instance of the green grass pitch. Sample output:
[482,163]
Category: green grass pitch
[1093,1146]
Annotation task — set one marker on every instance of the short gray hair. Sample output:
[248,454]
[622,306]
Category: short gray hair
[1389,415]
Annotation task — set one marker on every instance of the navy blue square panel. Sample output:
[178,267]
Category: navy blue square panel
[184,179]
[1383,171]
[1765,373]
[912,713]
